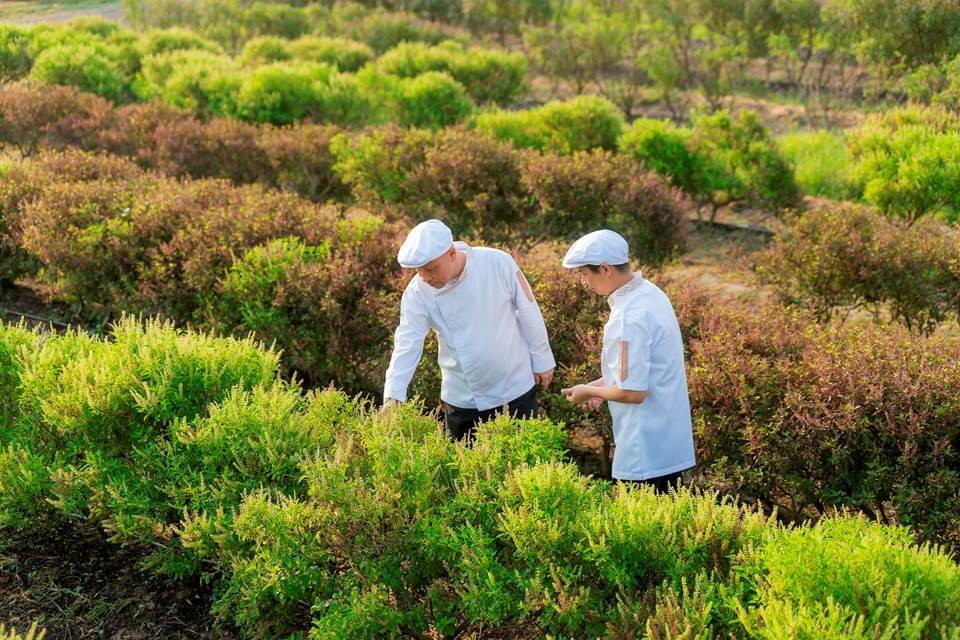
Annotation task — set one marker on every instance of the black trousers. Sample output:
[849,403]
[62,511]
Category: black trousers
[460,423]
[660,484]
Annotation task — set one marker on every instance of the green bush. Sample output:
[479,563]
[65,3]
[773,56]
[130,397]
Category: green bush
[383,30]
[274,19]
[157,41]
[488,75]
[281,93]
[92,68]
[15,58]
[903,161]
[467,179]
[665,149]
[342,53]
[580,124]
[195,80]
[851,573]
[432,100]
[743,163]
[263,50]
[820,163]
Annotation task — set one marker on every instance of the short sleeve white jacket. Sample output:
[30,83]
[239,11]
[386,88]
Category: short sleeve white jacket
[490,332]
[643,351]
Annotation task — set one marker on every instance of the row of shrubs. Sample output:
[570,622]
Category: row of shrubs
[316,518]
[482,187]
[272,80]
[776,394]
[233,24]
[838,258]
[719,160]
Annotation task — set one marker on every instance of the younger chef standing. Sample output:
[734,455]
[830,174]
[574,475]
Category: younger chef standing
[643,381]
[493,346]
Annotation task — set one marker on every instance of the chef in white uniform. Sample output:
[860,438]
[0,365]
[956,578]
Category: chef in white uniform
[493,345]
[643,378]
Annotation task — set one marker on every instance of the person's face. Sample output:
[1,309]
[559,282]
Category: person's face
[439,271]
[600,281]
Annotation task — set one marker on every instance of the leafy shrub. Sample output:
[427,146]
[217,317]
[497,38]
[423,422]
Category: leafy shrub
[383,30]
[160,244]
[432,100]
[194,80]
[91,68]
[820,162]
[274,19]
[875,568]
[264,50]
[580,124]
[903,162]
[342,53]
[743,163]
[838,258]
[488,75]
[296,295]
[375,165]
[156,41]
[281,93]
[15,58]
[665,149]
[822,417]
[313,515]
[590,190]
[34,117]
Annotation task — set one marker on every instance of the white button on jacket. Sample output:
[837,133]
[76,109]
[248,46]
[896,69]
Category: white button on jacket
[490,332]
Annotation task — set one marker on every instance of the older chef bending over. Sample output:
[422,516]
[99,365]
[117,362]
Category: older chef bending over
[493,343]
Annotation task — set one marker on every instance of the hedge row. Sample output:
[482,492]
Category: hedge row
[483,188]
[272,81]
[295,158]
[108,237]
[233,25]
[838,258]
[316,518]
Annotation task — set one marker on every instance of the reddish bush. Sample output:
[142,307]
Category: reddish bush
[841,257]
[32,118]
[588,190]
[812,418]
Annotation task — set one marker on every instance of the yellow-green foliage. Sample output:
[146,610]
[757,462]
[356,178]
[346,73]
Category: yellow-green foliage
[321,518]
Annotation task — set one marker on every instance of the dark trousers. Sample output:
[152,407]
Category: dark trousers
[460,423]
[661,484]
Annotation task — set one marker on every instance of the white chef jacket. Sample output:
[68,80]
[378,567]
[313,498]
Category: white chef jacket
[490,332]
[643,351]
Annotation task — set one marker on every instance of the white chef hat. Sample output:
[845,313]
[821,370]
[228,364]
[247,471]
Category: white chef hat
[597,247]
[426,242]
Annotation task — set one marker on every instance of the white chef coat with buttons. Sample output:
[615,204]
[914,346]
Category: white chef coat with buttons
[490,333]
[643,351]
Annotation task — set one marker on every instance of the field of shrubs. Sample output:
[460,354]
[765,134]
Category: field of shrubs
[213,193]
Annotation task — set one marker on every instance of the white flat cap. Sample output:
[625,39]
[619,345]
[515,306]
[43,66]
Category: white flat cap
[427,241]
[596,248]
